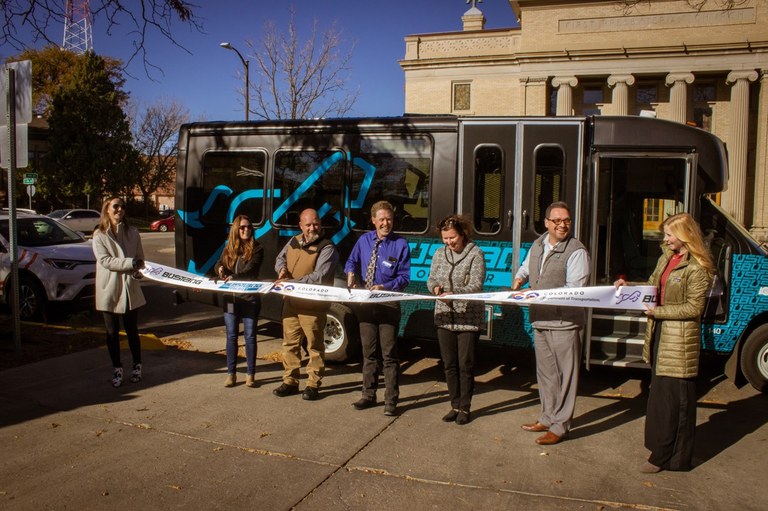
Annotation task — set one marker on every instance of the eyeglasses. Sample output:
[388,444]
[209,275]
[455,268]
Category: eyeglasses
[449,223]
[117,207]
[244,227]
[558,221]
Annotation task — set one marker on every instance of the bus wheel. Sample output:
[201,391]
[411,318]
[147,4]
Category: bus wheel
[754,359]
[342,340]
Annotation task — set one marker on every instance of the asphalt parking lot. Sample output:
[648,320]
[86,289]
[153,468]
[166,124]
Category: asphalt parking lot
[179,439]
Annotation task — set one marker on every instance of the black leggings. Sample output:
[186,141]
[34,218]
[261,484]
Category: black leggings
[130,324]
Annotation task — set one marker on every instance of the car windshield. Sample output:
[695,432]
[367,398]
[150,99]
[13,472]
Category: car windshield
[58,213]
[41,232]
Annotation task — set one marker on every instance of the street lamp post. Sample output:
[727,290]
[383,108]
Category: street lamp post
[245,64]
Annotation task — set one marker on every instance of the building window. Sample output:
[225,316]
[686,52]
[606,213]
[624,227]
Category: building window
[703,92]
[461,96]
[703,99]
[647,94]
[592,100]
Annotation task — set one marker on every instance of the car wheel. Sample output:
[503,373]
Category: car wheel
[342,339]
[162,228]
[754,359]
[31,299]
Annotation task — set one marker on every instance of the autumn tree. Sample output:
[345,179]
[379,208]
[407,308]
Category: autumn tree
[295,79]
[144,18]
[90,153]
[53,68]
[155,132]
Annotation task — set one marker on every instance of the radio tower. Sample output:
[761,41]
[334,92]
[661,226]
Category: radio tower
[78,35]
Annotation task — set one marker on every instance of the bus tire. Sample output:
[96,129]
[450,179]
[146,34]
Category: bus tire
[342,338]
[754,359]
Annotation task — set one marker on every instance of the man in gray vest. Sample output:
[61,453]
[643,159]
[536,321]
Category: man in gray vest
[555,260]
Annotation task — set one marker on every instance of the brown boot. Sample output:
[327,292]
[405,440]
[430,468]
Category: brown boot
[231,379]
[250,381]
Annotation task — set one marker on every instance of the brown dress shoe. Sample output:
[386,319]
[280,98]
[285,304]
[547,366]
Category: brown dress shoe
[536,427]
[549,438]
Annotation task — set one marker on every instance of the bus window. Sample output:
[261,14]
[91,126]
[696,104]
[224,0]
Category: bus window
[235,179]
[635,196]
[395,170]
[489,181]
[308,179]
[549,169]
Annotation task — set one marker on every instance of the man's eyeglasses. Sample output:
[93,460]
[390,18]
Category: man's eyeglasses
[244,227]
[558,221]
[118,207]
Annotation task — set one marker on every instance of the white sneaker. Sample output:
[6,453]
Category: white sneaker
[136,373]
[117,377]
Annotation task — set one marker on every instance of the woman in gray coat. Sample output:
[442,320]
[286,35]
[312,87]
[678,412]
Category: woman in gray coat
[119,257]
[459,267]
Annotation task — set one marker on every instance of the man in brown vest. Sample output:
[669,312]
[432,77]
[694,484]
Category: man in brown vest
[308,258]
[555,260]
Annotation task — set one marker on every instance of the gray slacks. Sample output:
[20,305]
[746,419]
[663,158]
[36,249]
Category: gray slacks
[557,373]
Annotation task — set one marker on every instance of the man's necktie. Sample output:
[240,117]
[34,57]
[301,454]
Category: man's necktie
[371,270]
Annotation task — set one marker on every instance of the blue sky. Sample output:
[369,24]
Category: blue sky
[206,80]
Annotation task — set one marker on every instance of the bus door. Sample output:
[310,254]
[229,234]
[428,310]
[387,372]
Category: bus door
[634,193]
[486,193]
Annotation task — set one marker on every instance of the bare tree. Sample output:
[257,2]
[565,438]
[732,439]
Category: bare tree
[301,80]
[155,132]
[629,5]
[42,18]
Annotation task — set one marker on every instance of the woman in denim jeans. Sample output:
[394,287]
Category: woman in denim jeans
[240,260]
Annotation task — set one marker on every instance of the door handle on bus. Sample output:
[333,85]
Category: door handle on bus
[509,219]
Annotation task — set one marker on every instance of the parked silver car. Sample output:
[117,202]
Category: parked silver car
[83,220]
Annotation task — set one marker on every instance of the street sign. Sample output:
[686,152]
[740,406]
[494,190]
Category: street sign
[31,190]
[22,151]
[29,181]
[23,88]
[30,175]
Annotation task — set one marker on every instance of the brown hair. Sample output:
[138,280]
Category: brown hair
[105,223]
[382,204]
[237,247]
[459,223]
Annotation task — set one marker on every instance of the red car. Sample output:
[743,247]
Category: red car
[163,225]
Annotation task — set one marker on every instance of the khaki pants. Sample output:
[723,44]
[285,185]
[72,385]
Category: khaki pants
[299,323]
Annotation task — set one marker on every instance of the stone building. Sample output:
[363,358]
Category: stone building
[706,66]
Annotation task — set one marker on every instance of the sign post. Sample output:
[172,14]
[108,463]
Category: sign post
[17,108]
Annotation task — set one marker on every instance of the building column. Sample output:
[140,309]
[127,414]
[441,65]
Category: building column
[733,199]
[678,97]
[564,86]
[620,96]
[533,95]
[760,216]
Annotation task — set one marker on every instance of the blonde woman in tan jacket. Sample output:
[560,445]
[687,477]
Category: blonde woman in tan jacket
[683,275]
[119,256]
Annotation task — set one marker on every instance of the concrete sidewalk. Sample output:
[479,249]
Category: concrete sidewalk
[179,439]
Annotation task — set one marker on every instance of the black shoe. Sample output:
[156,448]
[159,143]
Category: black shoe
[286,390]
[310,394]
[451,416]
[390,409]
[462,418]
[363,403]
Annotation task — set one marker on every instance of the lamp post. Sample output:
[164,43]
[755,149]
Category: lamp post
[245,64]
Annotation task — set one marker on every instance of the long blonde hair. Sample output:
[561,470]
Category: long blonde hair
[237,247]
[685,228]
[105,223]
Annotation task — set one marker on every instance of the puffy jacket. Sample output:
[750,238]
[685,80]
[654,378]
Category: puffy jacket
[684,298]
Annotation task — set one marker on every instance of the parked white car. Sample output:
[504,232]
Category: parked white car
[56,264]
[83,220]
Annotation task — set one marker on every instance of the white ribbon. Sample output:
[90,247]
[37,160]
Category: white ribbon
[603,297]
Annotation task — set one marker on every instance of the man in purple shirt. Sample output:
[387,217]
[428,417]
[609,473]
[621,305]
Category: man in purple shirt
[382,260]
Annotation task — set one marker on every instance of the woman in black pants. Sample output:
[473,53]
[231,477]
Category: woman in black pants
[459,267]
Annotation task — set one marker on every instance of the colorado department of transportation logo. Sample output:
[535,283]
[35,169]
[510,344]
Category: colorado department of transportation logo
[523,295]
[286,288]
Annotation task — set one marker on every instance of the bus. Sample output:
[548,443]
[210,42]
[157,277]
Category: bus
[620,175]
